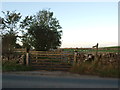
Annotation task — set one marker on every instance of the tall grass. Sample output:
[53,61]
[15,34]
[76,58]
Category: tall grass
[96,68]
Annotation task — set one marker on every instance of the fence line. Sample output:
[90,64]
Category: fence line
[58,59]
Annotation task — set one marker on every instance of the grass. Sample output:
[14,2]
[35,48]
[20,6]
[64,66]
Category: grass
[12,66]
[92,50]
[112,47]
[96,68]
[16,68]
[72,50]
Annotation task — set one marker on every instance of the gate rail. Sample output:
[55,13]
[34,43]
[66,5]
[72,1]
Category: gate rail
[43,60]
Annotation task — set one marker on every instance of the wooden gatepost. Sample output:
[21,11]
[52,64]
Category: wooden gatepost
[75,56]
[96,52]
[27,57]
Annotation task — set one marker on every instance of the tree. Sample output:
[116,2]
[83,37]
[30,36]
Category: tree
[10,22]
[9,26]
[27,39]
[43,31]
[8,42]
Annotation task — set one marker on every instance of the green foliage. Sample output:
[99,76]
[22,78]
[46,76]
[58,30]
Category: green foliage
[10,22]
[16,68]
[13,66]
[43,31]
[8,43]
[9,30]
[112,47]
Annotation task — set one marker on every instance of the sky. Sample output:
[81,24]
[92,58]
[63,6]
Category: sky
[84,24]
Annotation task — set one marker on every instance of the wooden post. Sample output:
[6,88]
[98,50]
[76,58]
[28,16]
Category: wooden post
[96,50]
[96,53]
[27,57]
[75,58]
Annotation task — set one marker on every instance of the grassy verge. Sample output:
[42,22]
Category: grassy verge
[16,68]
[12,66]
[96,68]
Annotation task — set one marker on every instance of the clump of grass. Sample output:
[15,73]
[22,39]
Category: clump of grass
[96,68]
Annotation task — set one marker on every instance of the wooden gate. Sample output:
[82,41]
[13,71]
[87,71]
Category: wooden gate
[49,60]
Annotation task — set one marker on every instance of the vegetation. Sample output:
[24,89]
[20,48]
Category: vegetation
[92,50]
[14,62]
[43,31]
[12,66]
[96,68]
[112,47]
[40,32]
[9,25]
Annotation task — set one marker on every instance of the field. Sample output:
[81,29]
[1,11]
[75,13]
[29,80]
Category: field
[101,49]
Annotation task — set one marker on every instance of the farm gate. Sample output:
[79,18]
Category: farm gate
[63,60]
[51,60]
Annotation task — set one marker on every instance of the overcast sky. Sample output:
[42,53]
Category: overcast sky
[83,23]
